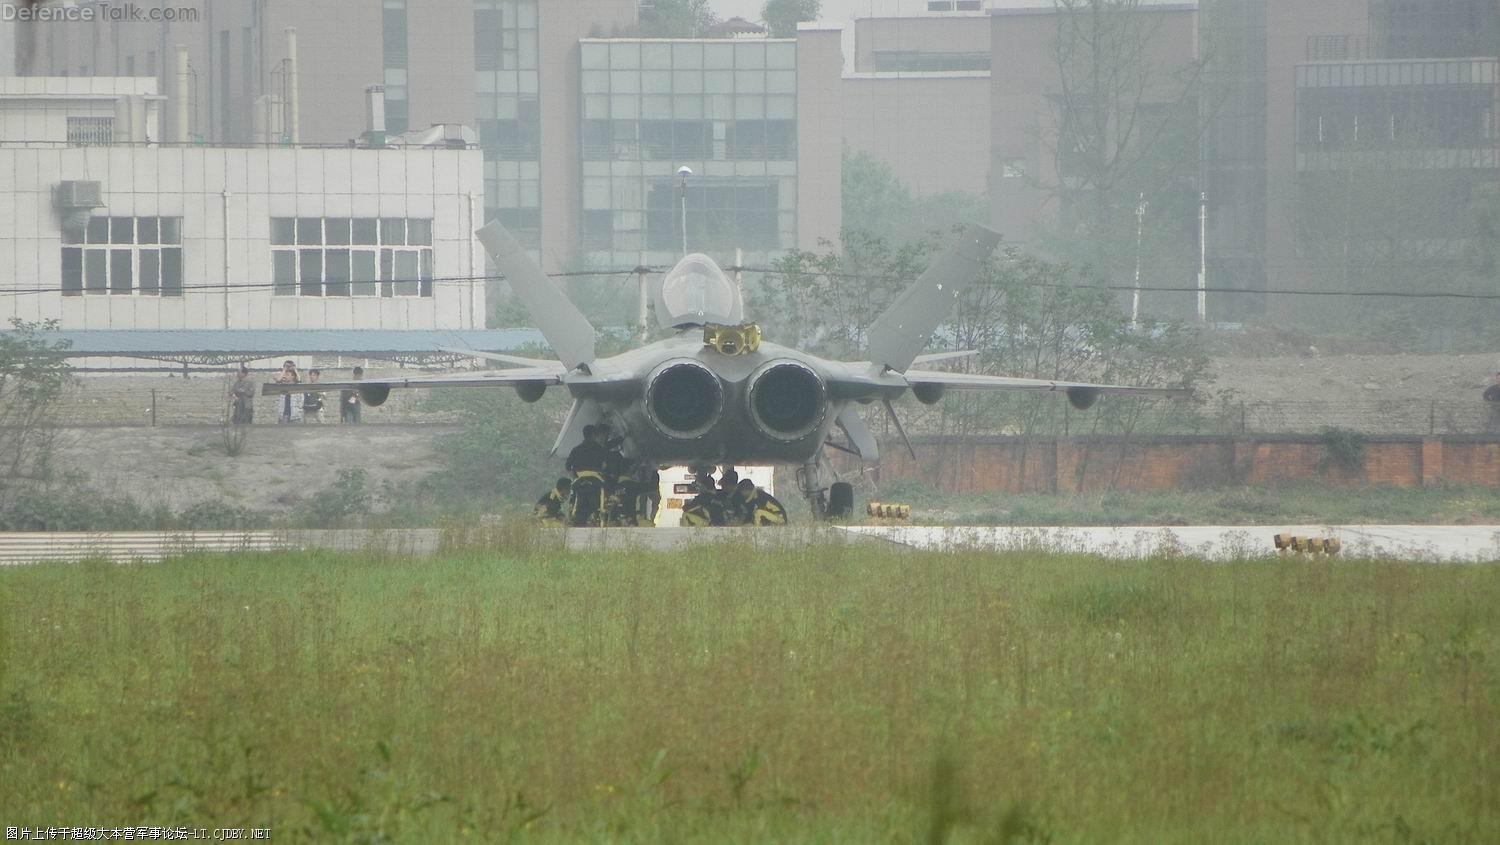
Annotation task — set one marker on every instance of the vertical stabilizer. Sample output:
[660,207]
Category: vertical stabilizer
[567,331]
[904,330]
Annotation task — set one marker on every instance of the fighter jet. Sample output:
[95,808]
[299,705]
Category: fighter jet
[715,392]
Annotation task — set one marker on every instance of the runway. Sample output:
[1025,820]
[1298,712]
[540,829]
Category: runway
[1416,543]
[1434,543]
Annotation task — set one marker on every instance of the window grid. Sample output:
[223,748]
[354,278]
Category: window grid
[91,130]
[506,71]
[649,106]
[351,257]
[124,256]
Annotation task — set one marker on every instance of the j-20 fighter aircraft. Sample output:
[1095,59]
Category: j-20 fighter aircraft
[715,392]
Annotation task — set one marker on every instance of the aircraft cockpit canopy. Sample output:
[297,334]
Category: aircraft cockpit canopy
[696,292]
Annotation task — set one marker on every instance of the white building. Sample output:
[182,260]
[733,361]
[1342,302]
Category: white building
[101,234]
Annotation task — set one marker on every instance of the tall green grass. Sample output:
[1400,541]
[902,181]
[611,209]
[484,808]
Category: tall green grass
[827,694]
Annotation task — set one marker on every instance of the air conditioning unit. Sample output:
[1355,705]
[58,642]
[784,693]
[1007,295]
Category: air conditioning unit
[71,195]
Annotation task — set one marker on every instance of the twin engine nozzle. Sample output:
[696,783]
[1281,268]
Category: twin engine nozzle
[783,400]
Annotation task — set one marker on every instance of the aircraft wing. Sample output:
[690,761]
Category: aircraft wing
[500,378]
[1081,394]
[513,360]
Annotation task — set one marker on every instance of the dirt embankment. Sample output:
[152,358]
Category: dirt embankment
[1356,378]
[180,466]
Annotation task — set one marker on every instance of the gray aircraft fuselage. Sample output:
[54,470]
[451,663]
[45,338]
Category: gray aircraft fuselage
[681,401]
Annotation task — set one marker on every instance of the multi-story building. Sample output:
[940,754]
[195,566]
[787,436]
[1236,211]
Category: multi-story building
[298,72]
[724,108]
[1359,133]
[103,226]
[913,92]
[918,98]
[1079,101]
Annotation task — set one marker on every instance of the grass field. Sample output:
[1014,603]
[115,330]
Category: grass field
[829,694]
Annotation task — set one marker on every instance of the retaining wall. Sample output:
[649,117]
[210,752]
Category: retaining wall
[1072,465]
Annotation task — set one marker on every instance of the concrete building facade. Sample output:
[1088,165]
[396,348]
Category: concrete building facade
[918,99]
[1360,134]
[726,109]
[498,65]
[1032,167]
[100,233]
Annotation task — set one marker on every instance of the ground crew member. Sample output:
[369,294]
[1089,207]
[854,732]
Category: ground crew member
[704,509]
[586,462]
[649,501]
[619,483]
[756,506]
[551,509]
[728,481]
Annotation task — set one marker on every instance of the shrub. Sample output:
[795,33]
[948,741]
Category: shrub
[1346,448]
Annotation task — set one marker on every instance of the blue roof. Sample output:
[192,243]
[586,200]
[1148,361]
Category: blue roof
[269,343]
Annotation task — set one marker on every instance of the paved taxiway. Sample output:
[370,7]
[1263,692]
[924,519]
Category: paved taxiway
[1211,542]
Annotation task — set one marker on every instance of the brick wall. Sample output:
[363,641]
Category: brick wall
[1070,465]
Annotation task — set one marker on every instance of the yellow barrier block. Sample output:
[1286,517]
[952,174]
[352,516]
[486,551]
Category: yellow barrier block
[1286,542]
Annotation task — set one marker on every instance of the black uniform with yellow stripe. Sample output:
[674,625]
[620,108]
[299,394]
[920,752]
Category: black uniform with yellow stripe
[551,509]
[704,509]
[621,488]
[586,462]
[754,506]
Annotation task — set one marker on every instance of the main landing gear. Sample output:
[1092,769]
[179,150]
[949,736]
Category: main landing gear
[829,500]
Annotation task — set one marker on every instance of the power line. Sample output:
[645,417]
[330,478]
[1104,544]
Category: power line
[628,274]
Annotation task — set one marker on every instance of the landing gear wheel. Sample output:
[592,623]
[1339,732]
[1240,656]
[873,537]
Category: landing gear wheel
[840,500]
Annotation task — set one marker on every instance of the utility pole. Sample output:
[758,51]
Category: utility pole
[1203,258]
[641,272]
[1135,298]
[683,173]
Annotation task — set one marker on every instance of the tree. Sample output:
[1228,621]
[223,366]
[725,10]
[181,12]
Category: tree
[1125,127]
[1025,316]
[677,18]
[877,204]
[33,377]
[782,16]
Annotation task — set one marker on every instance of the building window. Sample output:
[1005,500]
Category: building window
[928,61]
[91,130]
[360,256]
[509,117]
[722,215]
[724,106]
[124,256]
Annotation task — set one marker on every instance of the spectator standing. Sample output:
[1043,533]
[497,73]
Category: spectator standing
[291,409]
[312,402]
[242,395]
[1492,399]
[349,400]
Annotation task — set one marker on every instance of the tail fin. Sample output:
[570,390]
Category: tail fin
[903,331]
[567,331]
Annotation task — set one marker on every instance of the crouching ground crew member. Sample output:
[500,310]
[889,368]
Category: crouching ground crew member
[704,509]
[586,462]
[757,507]
[620,485]
[551,509]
